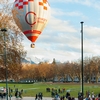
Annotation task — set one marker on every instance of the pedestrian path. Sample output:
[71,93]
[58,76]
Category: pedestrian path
[30,98]
[27,98]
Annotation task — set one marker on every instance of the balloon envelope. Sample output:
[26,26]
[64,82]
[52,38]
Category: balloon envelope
[31,16]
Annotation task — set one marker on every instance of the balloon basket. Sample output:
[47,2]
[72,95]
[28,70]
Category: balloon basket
[32,45]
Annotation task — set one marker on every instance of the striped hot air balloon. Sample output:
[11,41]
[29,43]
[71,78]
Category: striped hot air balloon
[31,16]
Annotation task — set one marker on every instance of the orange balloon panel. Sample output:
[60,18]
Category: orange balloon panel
[32,34]
[31,16]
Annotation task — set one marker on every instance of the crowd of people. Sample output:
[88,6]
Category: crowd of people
[18,94]
[55,94]
[39,96]
[89,96]
[92,96]
[3,93]
[67,96]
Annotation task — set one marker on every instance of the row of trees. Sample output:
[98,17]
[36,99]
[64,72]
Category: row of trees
[45,71]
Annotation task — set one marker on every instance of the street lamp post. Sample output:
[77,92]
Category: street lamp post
[5,61]
[82,59]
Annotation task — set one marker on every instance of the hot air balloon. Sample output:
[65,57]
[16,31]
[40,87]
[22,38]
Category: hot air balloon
[31,16]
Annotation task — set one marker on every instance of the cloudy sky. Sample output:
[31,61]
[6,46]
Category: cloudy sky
[61,39]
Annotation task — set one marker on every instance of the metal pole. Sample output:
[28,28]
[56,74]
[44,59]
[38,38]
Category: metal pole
[82,60]
[5,62]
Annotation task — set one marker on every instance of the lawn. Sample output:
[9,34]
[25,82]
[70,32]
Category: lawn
[35,88]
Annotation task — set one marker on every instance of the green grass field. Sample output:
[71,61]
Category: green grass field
[32,89]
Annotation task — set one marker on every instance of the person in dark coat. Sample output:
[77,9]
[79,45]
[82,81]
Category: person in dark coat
[16,94]
[67,95]
[36,97]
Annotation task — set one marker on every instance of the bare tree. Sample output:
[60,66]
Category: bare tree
[14,48]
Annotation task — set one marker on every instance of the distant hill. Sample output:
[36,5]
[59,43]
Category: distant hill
[25,60]
[28,60]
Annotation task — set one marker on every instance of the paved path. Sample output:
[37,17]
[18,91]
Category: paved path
[31,98]
[27,98]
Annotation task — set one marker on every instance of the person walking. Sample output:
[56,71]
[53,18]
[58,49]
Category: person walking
[16,94]
[36,97]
